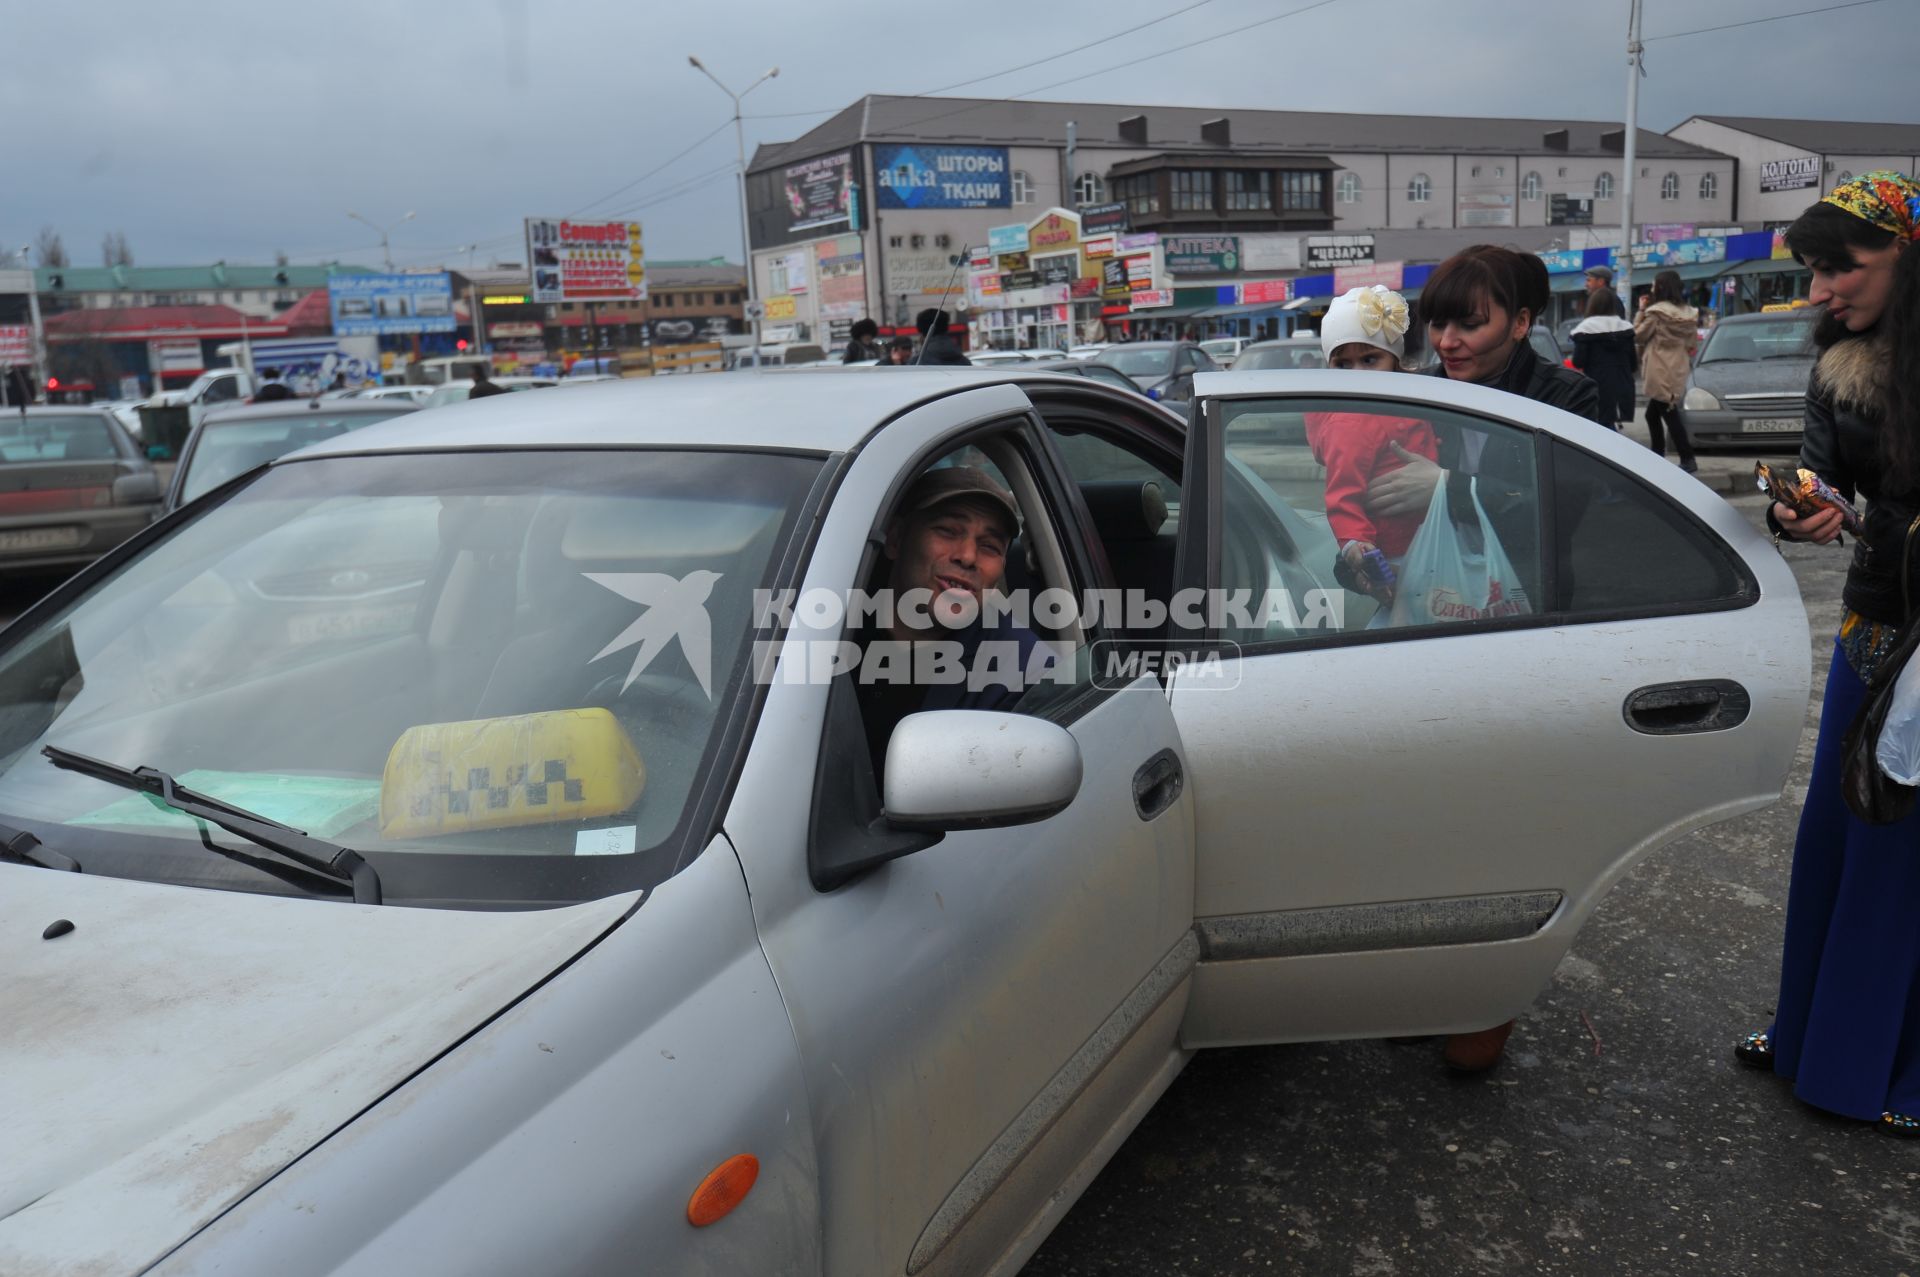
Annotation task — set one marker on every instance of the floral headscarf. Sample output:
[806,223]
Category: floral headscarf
[1884,198]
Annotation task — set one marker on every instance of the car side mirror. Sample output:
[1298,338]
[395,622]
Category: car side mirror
[136,489]
[977,769]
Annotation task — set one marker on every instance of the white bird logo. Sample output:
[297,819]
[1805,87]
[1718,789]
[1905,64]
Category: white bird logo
[676,608]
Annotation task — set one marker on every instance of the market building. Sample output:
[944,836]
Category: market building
[1172,217]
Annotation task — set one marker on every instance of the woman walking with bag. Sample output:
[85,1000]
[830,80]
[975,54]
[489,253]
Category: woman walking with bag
[1846,1027]
[1666,331]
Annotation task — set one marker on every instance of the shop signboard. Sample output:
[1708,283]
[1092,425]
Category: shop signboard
[1020,279]
[1011,262]
[1264,290]
[1385,274]
[1659,232]
[1097,246]
[1140,272]
[579,262]
[1562,261]
[783,306]
[921,274]
[374,305]
[1138,241]
[1269,252]
[513,328]
[1676,252]
[942,177]
[1485,209]
[1723,232]
[16,345]
[789,272]
[1151,298]
[1004,241]
[1053,231]
[1096,218]
[1797,173]
[820,192]
[1327,251]
[1569,210]
[1113,278]
[170,356]
[1201,254]
[1063,269]
[983,284]
[1084,286]
[841,268]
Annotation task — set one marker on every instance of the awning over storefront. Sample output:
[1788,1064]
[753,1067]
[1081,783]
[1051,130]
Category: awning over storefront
[1766,266]
[1243,310]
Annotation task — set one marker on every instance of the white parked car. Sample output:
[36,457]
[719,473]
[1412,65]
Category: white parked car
[1223,349]
[460,391]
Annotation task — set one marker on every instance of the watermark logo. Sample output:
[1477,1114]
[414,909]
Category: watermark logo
[676,612]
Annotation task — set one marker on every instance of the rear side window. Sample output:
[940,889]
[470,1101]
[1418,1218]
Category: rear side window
[1620,546]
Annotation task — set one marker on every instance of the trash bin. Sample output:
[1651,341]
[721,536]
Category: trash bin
[164,428]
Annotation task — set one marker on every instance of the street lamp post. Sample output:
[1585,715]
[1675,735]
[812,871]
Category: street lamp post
[386,254]
[740,143]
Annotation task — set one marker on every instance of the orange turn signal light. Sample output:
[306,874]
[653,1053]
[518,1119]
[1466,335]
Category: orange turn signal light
[724,1188]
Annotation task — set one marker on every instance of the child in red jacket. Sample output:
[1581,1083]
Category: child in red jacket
[1366,329]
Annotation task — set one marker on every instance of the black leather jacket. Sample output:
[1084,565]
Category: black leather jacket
[1841,444]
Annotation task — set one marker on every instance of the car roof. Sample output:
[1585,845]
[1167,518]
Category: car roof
[829,409]
[97,408]
[1150,345]
[1766,317]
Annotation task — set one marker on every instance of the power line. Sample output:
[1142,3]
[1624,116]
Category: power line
[1180,48]
[1753,22]
[718,128]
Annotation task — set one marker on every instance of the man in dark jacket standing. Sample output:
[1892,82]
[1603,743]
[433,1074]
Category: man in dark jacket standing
[1601,278]
[863,343]
[937,345]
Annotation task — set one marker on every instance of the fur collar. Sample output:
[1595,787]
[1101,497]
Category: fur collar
[1854,371]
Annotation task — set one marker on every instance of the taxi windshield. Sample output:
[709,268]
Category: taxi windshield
[496,675]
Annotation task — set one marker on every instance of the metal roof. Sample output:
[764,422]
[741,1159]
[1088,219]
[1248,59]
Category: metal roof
[163,279]
[997,121]
[1827,137]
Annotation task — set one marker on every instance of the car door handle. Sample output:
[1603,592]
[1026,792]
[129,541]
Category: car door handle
[1677,709]
[1157,785]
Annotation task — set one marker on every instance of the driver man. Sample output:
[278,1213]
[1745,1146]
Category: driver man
[949,538]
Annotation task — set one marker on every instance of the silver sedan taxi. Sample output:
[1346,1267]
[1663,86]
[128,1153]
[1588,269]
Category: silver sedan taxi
[574,918]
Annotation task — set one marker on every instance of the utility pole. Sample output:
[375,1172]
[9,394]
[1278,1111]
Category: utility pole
[740,145]
[1633,136]
[33,317]
[1071,201]
[386,254]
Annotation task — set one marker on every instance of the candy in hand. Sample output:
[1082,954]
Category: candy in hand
[1806,494]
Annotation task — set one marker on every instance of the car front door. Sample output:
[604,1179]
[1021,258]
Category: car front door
[1403,814]
[977,1015]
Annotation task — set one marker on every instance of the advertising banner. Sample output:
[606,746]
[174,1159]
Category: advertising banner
[1084,286]
[1011,262]
[1097,246]
[172,355]
[1264,290]
[1385,274]
[1677,252]
[1790,175]
[1269,252]
[1113,278]
[789,272]
[819,191]
[513,328]
[1063,269]
[1338,250]
[1661,231]
[1055,230]
[841,267]
[1201,254]
[942,177]
[1564,260]
[1140,272]
[921,274]
[782,307]
[373,305]
[1004,240]
[16,345]
[1486,210]
[1020,279]
[1569,210]
[584,261]
[1136,242]
[1098,218]
[982,285]
[1153,297]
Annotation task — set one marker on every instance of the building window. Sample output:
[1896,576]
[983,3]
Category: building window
[1303,192]
[1420,189]
[1089,188]
[1474,171]
[1022,187]
[1603,187]
[1137,193]
[1250,190]
[895,241]
[1563,170]
[1349,188]
[1709,185]
[1499,170]
[1670,187]
[1192,190]
[1530,188]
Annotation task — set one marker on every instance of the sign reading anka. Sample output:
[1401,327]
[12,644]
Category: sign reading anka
[374,305]
[942,176]
[585,261]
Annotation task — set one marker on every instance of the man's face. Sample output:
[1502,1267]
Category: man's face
[958,545]
[1594,282]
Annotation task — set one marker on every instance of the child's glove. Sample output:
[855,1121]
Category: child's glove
[1363,568]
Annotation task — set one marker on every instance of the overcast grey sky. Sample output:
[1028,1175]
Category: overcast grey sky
[229,130]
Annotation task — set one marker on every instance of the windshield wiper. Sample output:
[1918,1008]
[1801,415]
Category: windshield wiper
[18,844]
[331,859]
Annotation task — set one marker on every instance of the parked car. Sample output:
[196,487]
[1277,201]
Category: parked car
[73,484]
[1224,349]
[1001,358]
[1087,350]
[1162,369]
[412,394]
[1102,373]
[1284,352]
[1749,383]
[591,934]
[775,356]
[233,441]
[460,391]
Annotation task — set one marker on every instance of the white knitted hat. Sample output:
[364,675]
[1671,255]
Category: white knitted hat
[1373,316]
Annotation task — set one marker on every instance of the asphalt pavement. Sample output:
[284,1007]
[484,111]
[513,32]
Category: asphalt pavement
[1619,1136]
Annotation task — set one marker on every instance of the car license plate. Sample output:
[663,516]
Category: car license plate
[64,538]
[1770,425]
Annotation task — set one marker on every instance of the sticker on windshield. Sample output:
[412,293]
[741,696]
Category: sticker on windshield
[615,841]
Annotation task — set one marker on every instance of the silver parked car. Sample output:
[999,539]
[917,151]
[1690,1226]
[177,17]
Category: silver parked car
[565,920]
[73,484]
[230,442]
[1283,352]
[1749,382]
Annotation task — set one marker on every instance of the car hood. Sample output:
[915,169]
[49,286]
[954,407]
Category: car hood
[1754,377]
[179,1046]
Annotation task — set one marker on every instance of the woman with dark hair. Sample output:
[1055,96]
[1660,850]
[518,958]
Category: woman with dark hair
[1846,1028]
[1603,349]
[1666,330]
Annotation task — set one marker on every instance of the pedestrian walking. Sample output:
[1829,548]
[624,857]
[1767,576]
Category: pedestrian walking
[1665,332]
[1600,278]
[1603,349]
[272,389]
[863,343]
[937,345]
[483,383]
[1846,1028]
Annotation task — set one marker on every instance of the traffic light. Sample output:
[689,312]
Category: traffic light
[53,384]
[460,345]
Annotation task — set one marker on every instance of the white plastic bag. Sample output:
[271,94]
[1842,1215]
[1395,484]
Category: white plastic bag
[1898,749]
[1446,579]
